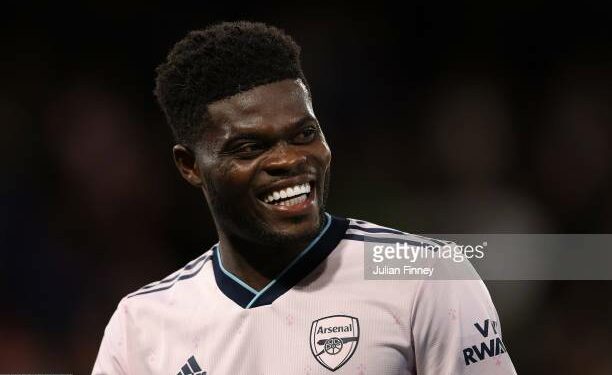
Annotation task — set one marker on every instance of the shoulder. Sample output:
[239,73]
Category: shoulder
[365,231]
[372,245]
[177,278]
[173,296]
[391,254]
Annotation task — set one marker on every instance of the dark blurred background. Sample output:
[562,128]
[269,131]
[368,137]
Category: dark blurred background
[485,117]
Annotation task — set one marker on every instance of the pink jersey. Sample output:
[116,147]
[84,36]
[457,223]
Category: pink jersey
[318,316]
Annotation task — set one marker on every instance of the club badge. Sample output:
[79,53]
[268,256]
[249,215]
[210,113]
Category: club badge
[334,339]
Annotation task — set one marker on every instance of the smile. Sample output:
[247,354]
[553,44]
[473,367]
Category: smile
[289,196]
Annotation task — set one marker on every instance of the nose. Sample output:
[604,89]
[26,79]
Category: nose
[285,160]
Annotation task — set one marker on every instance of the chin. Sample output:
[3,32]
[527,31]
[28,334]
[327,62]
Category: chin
[296,230]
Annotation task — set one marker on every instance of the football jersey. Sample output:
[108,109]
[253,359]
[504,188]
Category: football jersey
[318,316]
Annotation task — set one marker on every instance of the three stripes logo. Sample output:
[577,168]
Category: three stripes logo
[191,368]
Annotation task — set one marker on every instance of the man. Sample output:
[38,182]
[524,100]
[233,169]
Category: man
[283,291]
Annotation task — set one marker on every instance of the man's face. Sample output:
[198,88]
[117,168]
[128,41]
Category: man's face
[265,164]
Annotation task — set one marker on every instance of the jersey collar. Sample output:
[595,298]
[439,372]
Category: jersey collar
[304,263]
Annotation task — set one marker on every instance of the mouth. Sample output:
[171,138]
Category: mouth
[296,196]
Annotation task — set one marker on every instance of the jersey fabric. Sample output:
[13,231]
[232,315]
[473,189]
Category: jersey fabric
[318,316]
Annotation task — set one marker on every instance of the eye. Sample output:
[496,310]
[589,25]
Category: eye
[306,135]
[247,150]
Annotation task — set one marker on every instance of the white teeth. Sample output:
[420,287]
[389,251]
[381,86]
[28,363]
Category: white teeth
[293,201]
[296,191]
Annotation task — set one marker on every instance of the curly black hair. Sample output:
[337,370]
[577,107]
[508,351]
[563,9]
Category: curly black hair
[218,62]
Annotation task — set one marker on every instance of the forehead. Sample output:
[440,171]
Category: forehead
[277,103]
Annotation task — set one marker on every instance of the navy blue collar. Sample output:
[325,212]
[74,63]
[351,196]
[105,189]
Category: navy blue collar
[303,264]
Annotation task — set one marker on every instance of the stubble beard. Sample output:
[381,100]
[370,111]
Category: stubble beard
[231,220]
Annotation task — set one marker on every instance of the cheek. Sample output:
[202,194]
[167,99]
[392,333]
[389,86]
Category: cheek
[232,178]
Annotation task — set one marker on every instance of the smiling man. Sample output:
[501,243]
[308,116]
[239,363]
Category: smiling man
[283,291]
[263,165]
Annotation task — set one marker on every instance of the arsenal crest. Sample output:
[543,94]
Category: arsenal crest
[334,339]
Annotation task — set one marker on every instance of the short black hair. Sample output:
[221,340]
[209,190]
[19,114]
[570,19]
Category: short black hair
[218,62]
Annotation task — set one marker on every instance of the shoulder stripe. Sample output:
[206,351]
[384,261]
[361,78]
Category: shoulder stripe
[177,274]
[173,280]
[364,238]
[376,230]
[393,240]
[367,227]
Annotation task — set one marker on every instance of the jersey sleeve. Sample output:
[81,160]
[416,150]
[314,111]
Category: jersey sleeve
[112,359]
[456,330]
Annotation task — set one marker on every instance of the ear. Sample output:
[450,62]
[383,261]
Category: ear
[185,162]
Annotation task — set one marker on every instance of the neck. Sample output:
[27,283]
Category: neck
[257,264]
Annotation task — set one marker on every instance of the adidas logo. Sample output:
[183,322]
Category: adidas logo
[191,368]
